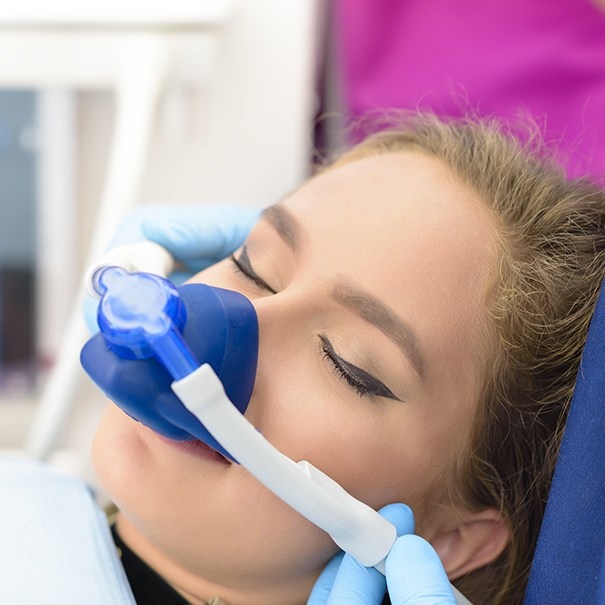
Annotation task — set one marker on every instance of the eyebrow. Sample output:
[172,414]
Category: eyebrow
[363,303]
[371,309]
[286,225]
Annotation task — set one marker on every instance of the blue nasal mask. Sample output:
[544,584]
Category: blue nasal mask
[152,333]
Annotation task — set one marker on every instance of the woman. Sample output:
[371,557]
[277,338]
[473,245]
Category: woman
[422,305]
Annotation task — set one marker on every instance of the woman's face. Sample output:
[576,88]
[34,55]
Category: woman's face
[369,284]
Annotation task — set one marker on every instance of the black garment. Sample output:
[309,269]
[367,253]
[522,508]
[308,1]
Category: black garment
[148,587]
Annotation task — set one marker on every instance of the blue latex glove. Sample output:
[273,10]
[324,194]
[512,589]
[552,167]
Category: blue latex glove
[197,237]
[414,573]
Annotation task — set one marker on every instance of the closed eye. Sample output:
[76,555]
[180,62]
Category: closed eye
[243,265]
[360,380]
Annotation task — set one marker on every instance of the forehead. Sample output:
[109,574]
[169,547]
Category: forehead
[395,204]
[405,227]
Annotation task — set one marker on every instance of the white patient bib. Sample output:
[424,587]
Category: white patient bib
[55,544]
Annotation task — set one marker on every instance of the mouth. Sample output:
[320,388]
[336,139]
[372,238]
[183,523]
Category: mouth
[196,448]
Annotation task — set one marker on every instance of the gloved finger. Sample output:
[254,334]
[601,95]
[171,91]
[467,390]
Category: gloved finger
[345,582]
[129,229]
[180,277]
[401,516]
[355,584]
[323,586]
[415,574]
[206,233]
[358,585]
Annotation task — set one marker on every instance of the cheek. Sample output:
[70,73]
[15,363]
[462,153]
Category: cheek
[122,459]
[143,477]
[378,452]
[382,458]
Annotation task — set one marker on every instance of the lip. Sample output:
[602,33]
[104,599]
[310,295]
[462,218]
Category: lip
[196,448]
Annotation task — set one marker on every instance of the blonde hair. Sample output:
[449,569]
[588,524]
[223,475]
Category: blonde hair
[552,262]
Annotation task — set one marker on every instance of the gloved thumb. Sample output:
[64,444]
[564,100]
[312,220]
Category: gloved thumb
[346,582]
[401,516]
[200,235]
[415,574]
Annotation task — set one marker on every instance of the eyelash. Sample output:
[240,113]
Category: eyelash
[328,354]
[251,276]
[379,389]
[357,378]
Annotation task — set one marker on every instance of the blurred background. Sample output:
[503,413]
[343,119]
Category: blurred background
[231,101]
[180,102]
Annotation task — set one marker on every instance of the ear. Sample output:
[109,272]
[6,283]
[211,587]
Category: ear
[477,540]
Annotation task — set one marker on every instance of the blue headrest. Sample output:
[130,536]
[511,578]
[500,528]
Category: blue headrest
[569,557]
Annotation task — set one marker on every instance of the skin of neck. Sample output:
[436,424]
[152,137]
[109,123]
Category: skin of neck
[197,590]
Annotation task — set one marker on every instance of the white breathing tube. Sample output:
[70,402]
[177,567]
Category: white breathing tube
[355,527]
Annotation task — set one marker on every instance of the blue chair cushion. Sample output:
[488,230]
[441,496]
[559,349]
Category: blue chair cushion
[569,553]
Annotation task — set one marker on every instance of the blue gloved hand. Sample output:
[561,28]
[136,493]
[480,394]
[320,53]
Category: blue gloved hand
[197,237]
[414,573]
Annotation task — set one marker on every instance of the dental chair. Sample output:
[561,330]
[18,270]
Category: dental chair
[55,545]
[569,563]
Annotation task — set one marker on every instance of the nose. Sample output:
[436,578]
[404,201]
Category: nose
[285,324]
[285,317]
